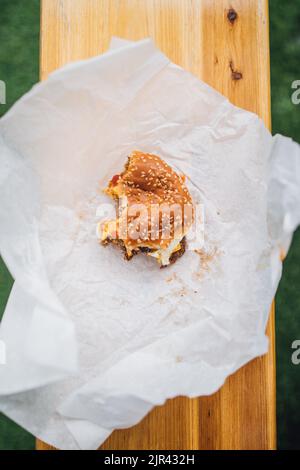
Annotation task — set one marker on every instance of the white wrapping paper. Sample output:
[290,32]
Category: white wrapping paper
[93,342]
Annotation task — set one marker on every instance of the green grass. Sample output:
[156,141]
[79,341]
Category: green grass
[285,68]
[19,45]
[19,69]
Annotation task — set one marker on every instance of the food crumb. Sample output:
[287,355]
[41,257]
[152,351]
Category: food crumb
[171,278]
[205,260]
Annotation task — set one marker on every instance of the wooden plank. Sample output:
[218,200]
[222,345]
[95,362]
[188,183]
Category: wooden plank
[225,43]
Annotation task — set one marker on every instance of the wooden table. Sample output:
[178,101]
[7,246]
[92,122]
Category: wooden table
[225,43]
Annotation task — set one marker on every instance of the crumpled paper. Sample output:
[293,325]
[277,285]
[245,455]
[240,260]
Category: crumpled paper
[93,342]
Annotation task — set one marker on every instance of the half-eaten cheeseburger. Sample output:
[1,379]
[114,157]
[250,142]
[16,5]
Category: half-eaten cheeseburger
[154,210]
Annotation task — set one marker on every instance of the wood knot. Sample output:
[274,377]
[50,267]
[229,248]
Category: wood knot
[232,15]
[235,74]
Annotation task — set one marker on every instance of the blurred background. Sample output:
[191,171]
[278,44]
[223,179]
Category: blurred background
[19,68]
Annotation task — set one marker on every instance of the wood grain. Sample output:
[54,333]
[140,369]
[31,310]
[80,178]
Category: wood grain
[225,43]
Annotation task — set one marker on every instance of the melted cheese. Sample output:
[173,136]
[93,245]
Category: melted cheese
[163,255]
